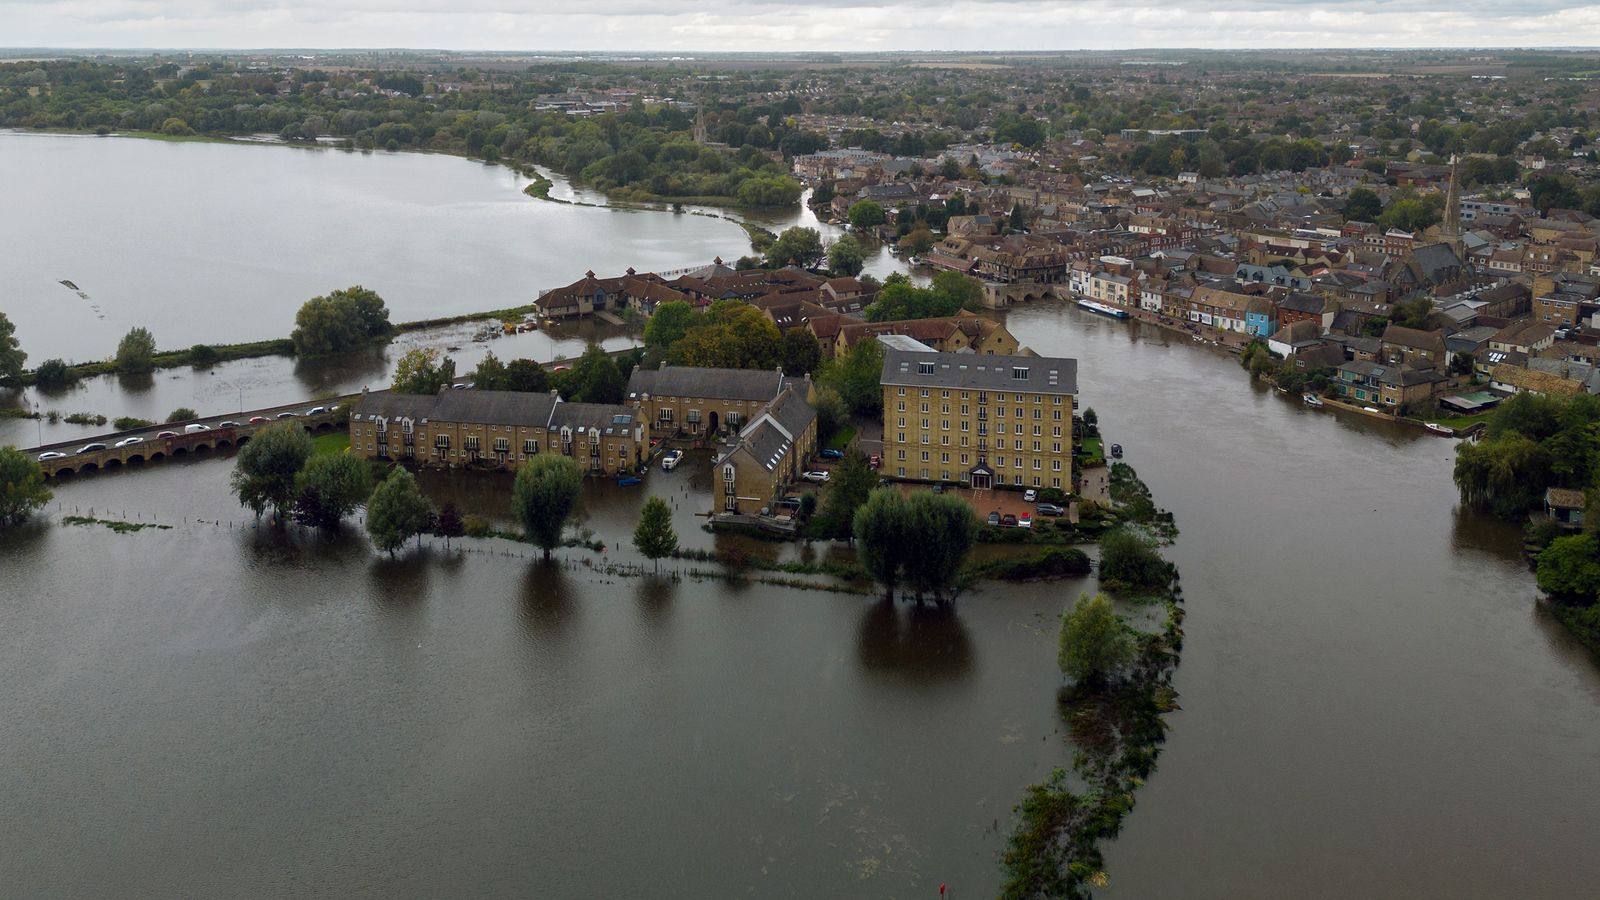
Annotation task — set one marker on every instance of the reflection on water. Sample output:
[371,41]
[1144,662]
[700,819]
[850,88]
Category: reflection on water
[920,643]
[548,608]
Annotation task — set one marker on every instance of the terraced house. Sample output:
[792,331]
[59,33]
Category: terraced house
[767,455]
[982,421]
[683,400]
[497,430]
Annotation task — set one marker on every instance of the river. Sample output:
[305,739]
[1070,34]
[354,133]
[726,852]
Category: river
[1372,704]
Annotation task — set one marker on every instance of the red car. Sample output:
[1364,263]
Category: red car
[257,420]
[874,461]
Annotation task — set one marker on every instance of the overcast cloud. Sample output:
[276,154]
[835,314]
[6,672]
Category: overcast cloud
[788,25]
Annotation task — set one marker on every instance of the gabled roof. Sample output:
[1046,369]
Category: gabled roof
[717,384]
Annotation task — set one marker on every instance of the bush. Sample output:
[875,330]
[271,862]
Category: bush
[203,355]
[129,423]
[53,373]
[85,419]
[476,526]
[1129,562]
[181,414]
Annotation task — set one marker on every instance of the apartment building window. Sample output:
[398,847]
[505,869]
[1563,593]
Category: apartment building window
[945,394]
[1019,373]
[1038,413]
[472,442]
[900,455]
[900,471]
[944,440]
[1055,448]
[924,474]
[902,421]
[1036,446]
[924,456]
[925,438]
[901,392]
[530,446]
[441,441]
[999,444]
[965,425]
[735,419]
[1056,399]
[944,409]
[1019,412]
[1055,482]
[924,368]
[924,407]
[924,393]
[963,440]
[964,409]
[1056,414]
[1055,465]
[727,474]
[964,459]
[944,425]
[902,437]
[900,406]
[924,424]
[1016,479]
[1037,465]
[502,446]
[1037,431]
[1036,482]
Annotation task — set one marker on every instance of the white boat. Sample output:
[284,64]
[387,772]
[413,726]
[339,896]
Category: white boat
[1441,429]
[1102,308]
[1311,399]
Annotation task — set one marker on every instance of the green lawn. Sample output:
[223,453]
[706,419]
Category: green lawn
[1091,447]
[1458,422]
[332,442]
[841,438]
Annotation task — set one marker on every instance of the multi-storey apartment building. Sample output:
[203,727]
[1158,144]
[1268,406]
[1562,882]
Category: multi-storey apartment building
[497,430]
[983,421]
[694,401]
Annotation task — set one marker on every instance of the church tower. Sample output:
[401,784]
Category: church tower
[1450,227]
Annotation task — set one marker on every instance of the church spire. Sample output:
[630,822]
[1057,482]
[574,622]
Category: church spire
[1450,228]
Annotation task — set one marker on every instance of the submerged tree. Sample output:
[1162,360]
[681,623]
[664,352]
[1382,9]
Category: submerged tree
[11,355]
[543,496]
[265,470]
[22,487]
[881,527]
[1096,645]
[654,538]
[396,511]
[136,352]
[330,487]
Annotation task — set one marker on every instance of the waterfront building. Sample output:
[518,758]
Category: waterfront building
[691,401]
[497,430]
[766,456]
[983,421]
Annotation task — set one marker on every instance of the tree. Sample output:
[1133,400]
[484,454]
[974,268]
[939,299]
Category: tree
[420,372]
[181,414]
[880,529]
[136,352]
[396,511]
[856,376]
[22,487]
[343,320]
[1096,645]
[1129,562]
[853,481]
[654,537]
[1362,206]
[917,241]
[845,257]
[594,378]
[1015,223]
[1461,364]
[265,469]
[528,376]
[330,487]
[52,373]
[11,355]
[795,247]
[448,523]
[1569,569]
[543,496]
[866,214]
[831,412]
[733,335]
[671,320]
[491,374]
[941,531]
[801,352]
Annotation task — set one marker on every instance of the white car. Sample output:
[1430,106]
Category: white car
[671,460]
[1030,495]
[128,442]
[817,476]
[51,454]
[316,410]
[195,428]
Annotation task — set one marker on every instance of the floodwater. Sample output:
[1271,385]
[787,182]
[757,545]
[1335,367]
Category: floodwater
[1372,704]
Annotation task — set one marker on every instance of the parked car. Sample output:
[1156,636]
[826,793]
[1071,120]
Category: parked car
[195,428]
[92,448]
[167,434]
[128,442]
[874,461]
[258,420]
[789,502]
[1049,509]
[316,410]
[1008,521]
[830,453]
[51,454]
[1030,495]
[288,415]
[1025,521]
[228,424]
[994,518]
[817,475]
[671,460]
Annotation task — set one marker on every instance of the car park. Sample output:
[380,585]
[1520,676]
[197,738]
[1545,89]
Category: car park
[92,448]
[818,476]
[830,453]
[1030,495]
[195,428]
[128,442]
[1049,509]
[52,454]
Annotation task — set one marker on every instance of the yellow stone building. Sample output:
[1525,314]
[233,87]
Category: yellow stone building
[981,421]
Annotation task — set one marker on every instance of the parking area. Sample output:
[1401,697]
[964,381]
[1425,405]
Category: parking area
[984,502]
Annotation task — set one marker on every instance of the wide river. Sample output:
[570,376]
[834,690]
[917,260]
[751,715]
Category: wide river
[1372,704]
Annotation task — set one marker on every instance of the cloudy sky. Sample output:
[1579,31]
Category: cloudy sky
[755,25]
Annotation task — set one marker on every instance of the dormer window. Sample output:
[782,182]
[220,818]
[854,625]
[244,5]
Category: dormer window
[1019,373]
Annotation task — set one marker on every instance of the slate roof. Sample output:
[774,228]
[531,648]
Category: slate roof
[962,371]
[466,406]
[717,384]
[608,418]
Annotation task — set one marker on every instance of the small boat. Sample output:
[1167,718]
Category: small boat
[1311,399]
[629,481]
[1445,430]
[1116,451]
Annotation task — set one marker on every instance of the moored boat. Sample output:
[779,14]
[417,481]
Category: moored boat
[1311,399]
[1102,308]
